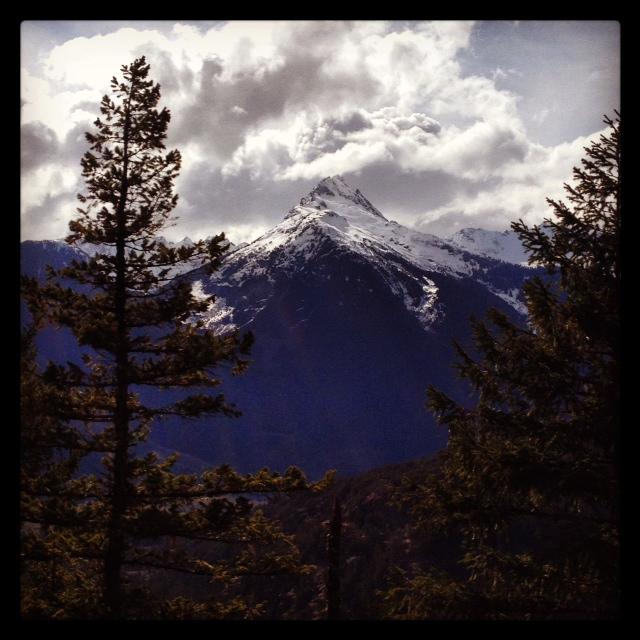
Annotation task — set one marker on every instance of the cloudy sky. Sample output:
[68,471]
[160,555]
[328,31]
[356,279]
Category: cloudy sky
[442,125]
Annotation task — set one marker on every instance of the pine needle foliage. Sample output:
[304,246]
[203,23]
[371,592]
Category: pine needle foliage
[136,523]
[530,476]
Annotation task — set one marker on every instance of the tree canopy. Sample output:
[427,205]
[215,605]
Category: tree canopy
[530,477]
[139,325]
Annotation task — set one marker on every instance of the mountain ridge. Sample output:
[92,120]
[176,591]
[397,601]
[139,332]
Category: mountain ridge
[354,316]
[333,214]
[501,245]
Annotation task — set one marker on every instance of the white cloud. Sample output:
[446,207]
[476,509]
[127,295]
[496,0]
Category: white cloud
[272,104]
[57,109]
[415,142]
[91,62]
[46,181]
[351,158]
[521,192]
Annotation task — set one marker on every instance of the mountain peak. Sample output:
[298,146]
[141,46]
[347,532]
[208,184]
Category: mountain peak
[334,189]
[335,185]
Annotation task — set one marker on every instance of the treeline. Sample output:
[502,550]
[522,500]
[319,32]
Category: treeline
[517,518]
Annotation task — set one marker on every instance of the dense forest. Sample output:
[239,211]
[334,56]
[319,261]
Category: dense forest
[516,518]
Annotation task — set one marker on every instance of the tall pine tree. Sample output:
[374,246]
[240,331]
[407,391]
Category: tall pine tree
[140,326]
[530,477]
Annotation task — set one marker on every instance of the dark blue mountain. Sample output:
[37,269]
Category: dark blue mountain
[353,315]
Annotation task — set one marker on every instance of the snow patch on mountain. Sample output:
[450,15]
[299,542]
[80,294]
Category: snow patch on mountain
[219,315]
[500,245]
[425,307]
[512,297]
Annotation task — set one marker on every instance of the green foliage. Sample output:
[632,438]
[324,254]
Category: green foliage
[115,532]
[53,501]
[530,474]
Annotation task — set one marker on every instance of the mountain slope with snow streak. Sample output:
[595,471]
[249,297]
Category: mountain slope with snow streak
[337,218]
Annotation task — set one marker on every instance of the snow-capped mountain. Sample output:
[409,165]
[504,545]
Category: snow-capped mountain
[336,217]
[501,245]
[354,316]
[91,249]
[61,253]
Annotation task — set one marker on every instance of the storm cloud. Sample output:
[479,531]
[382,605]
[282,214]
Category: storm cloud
[426,118]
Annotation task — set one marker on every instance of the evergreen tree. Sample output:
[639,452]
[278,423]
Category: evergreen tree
[55,581]
[141,326]
[530,476]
